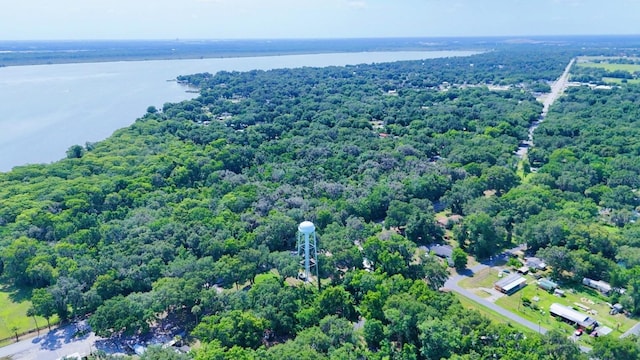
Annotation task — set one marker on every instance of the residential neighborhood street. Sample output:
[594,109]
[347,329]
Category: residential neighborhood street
[452,284]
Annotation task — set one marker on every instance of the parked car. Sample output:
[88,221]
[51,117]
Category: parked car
[578,332]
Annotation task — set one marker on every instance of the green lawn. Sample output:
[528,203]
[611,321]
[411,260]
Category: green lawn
[631,68]
[586,297]
[612,67]
[13,310]
[580,295]
[490,314]
[482,293]
[611,80]
[485,278]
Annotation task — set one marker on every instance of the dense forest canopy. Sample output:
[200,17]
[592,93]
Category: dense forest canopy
[209,192]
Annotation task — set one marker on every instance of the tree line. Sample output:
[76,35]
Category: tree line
[207,194]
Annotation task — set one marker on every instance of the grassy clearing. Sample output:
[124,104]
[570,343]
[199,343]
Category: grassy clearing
[13,312]
[580,295]
[618,81]
[611,67]
[490,314]
[482,293]
[484,278]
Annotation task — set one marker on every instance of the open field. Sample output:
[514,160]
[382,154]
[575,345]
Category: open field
[484,278]
[612,67]
[611,80]
[13,310]
[581,295]
[490,314]
[539,312]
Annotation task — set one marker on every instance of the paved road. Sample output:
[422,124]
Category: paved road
[558,87]
[53,345]
[452,284]
[635,330]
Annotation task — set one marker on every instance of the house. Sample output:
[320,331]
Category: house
[535,263]
[517,252]
[547,285]
[599,285]
[572,316]
[443,251]
[510,284]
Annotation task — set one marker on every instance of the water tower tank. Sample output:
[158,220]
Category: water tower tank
[307,248]
[306,227]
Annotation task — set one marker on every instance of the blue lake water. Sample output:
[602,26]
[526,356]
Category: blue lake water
[44,109]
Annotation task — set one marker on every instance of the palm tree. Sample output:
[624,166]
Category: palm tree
[14,329]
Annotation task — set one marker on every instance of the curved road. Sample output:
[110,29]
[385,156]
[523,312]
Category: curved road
[55,344]
[452,284]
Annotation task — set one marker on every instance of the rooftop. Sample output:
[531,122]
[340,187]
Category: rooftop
[444,251]
[572,315]
[510,282]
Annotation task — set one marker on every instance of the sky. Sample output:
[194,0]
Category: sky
[275,19]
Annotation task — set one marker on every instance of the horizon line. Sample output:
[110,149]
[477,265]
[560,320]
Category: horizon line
[329,38]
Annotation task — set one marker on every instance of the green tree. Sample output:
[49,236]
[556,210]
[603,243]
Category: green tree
[157,352]
[439,338]
[335,300]
[555,345]
[558,257]
[43,304]
[373,333]
[196,310]
[500,179]
[609,348]
[213,350]
[14,330]
[480,235]
[435,272]
[119,315]
[459,258]
[403,313]
[422,228]
[32,313]
[75,152]
[242,328]
[398,214]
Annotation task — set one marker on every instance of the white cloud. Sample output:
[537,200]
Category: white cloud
[573,3]
[357,4]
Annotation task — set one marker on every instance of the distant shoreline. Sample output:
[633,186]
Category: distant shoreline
[31,62]
[44,52]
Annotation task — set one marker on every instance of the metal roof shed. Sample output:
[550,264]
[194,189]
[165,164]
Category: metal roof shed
[571,315]
[510,284]
[547,284]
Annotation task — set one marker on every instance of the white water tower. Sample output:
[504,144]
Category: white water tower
[307,248]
